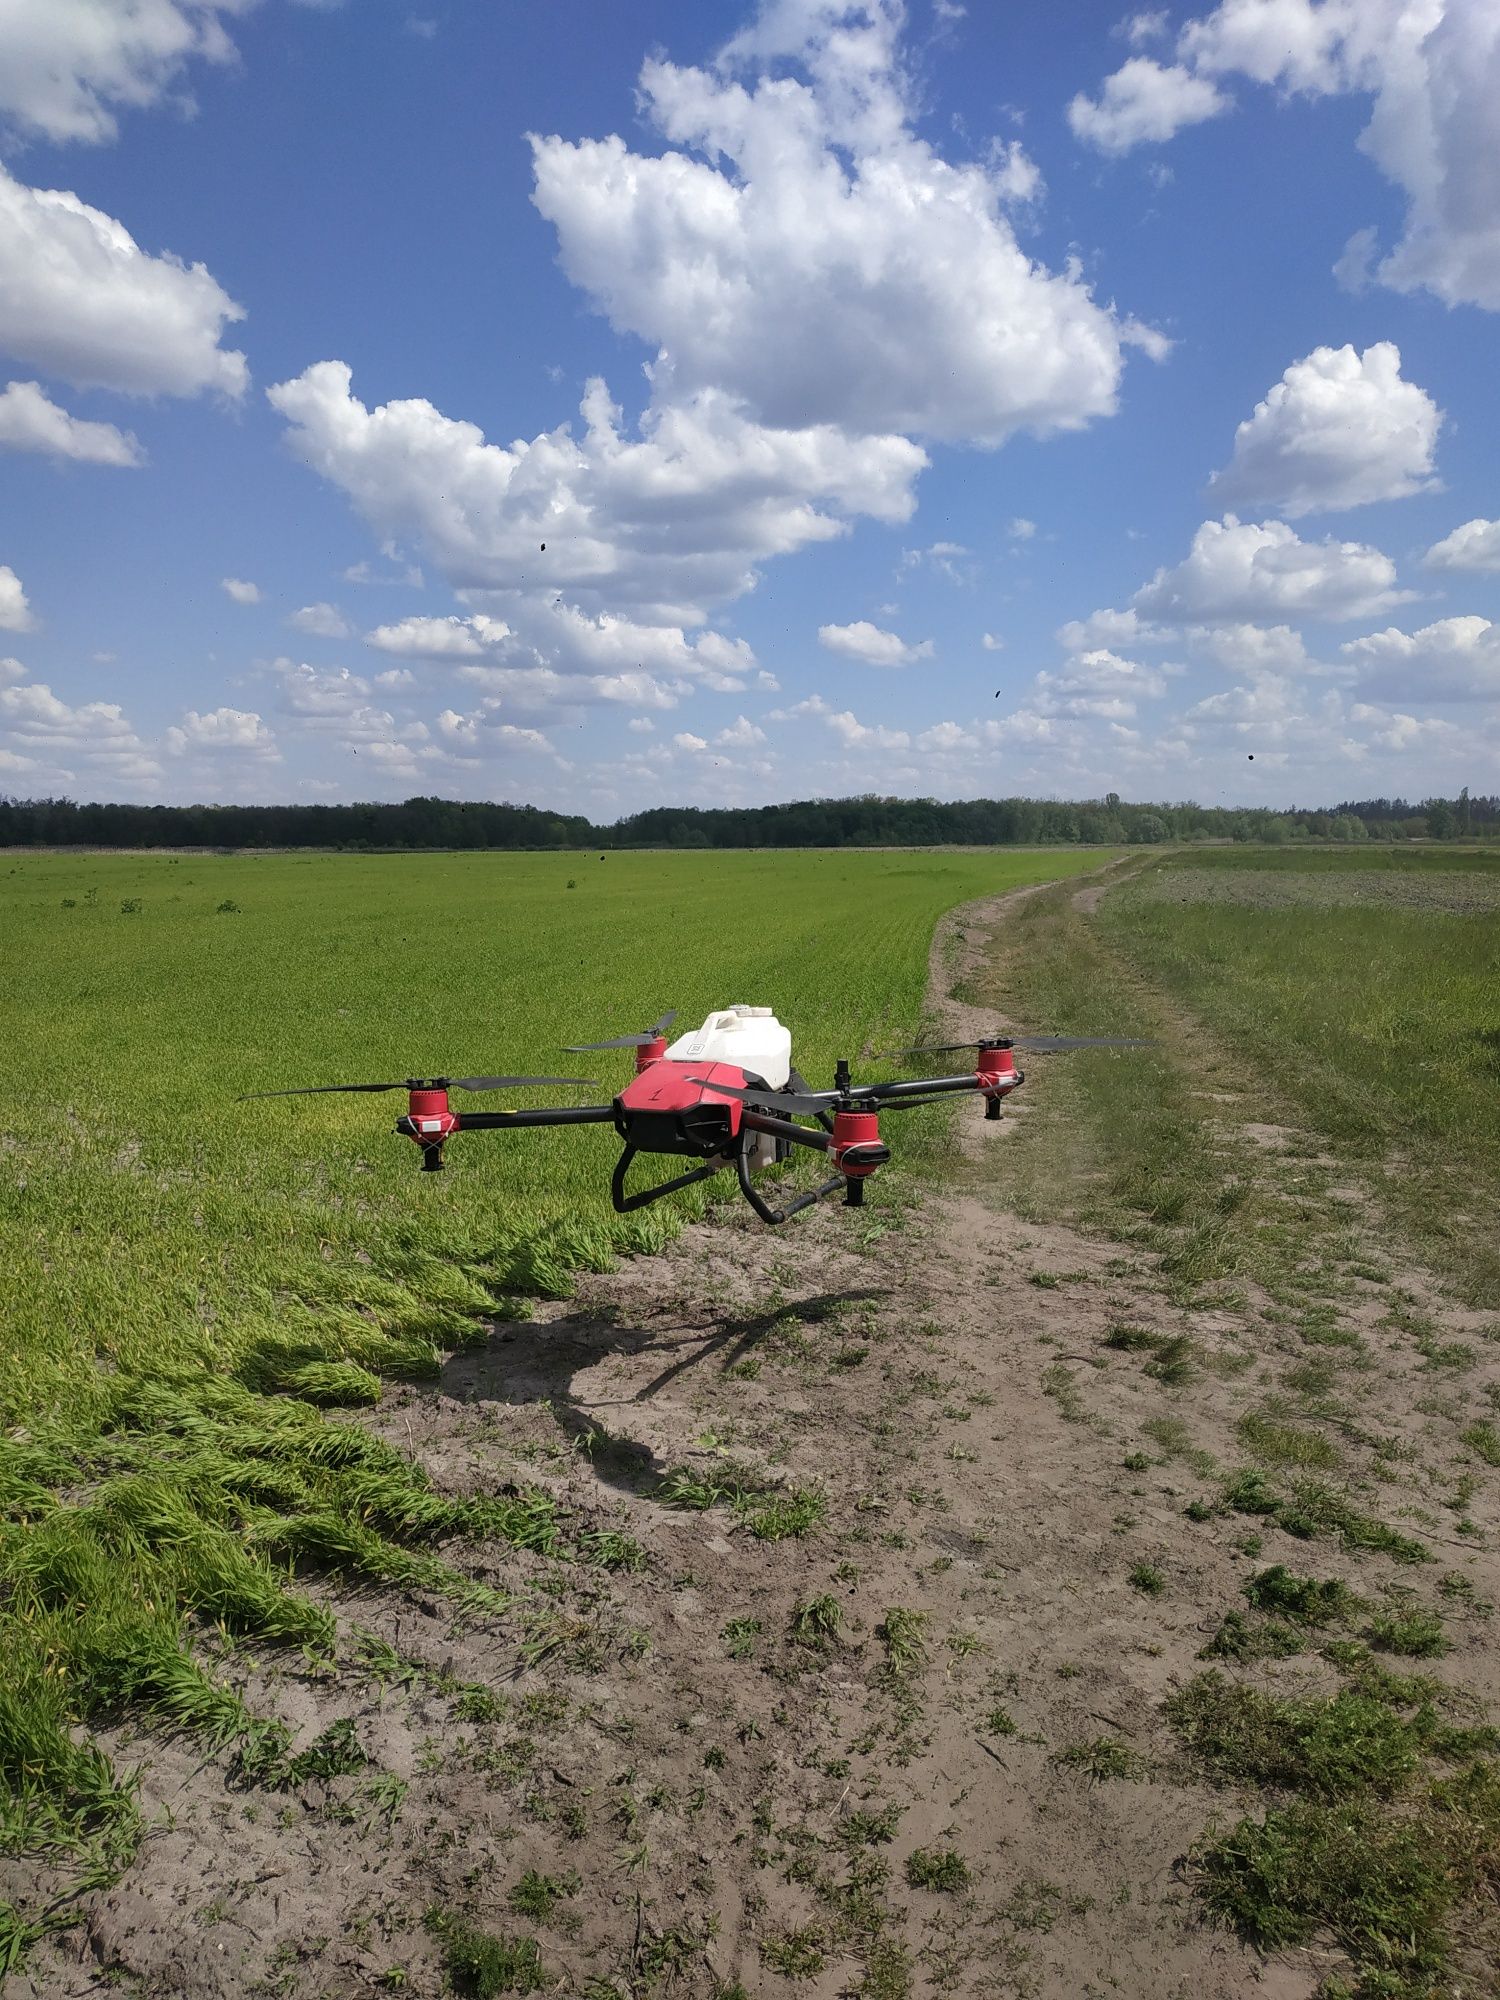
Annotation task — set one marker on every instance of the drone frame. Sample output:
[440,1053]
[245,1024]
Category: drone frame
[714,1119]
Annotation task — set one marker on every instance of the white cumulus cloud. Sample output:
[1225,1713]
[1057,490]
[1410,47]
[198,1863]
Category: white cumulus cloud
[1098,683]
[321,621]
[799,246]
[240,590]
[31,421]
[851,732]
[670,522]
[15,612]
[741,734]
[68,66]
[96,735]
[80,299]
[450,638]
[1339,429]
[1455,659]
[486,732]
[1432,71]
[563,640]
[1251,649]
[867,642]
[1476,545]
[235,732]
[1143,103]
[1238,570]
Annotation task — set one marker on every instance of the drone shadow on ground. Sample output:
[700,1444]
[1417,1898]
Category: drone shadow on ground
[525,1363]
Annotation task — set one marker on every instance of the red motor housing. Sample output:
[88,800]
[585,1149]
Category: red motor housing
[857,1148]
[429,1121]
[998,1077]
[648,1053]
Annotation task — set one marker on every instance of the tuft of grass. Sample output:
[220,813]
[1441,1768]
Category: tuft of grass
[1146,1578]
[1061,1384]
[904,1633]
[795,1954]
[868,1827]
[786,1515]
[334,1754]
[1330,1746]
[1174,1361]
[937,1868]
[479,1964]
[1101,1758]
[1484,1440]
[537,1896]
[1301,1598]
[612,1550]
[1313,1509]
[1389,1888]
[1281,1444]
[1241,1638]
[739,1637]
[1127,1339]
[1415,1632]
[816,1623]
[476,1703]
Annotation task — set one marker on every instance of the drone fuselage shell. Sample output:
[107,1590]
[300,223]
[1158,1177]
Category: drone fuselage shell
[672,1107]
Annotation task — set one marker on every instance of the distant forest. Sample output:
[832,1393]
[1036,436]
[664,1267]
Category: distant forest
[869,821]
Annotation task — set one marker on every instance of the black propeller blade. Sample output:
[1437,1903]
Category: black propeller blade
[861,1096]
[425,1083]
[774,1100]
[517,1082]
[651,1034]
[1042,1045]
[320,1090]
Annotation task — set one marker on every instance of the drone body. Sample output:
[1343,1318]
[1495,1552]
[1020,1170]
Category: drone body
[725,1095]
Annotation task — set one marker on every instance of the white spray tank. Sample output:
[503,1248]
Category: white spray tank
[752,1039]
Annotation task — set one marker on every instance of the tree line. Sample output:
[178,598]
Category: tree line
[867,821]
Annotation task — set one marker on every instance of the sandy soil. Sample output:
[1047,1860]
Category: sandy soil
[750,1819]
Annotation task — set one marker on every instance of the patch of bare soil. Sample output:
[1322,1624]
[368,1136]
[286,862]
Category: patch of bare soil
[919,1750]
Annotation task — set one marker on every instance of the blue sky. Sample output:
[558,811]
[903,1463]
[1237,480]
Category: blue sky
[926,399]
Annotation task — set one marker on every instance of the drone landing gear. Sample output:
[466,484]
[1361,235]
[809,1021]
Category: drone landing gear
[625,1203]
[795,1207]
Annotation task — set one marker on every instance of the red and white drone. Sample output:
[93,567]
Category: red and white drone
[728,1096]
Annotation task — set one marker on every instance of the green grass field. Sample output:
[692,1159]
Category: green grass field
[1354,993]
[189,1278]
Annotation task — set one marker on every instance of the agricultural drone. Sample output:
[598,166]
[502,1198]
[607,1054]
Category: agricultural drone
[725,1095]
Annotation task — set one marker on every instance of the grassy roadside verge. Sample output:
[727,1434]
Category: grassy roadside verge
[1364,994]
[1247,1160]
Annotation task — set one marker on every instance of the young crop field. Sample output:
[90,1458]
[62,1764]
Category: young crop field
[190,1280]
[1074,1572]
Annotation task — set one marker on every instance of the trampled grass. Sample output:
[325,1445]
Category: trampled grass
[189,1280]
